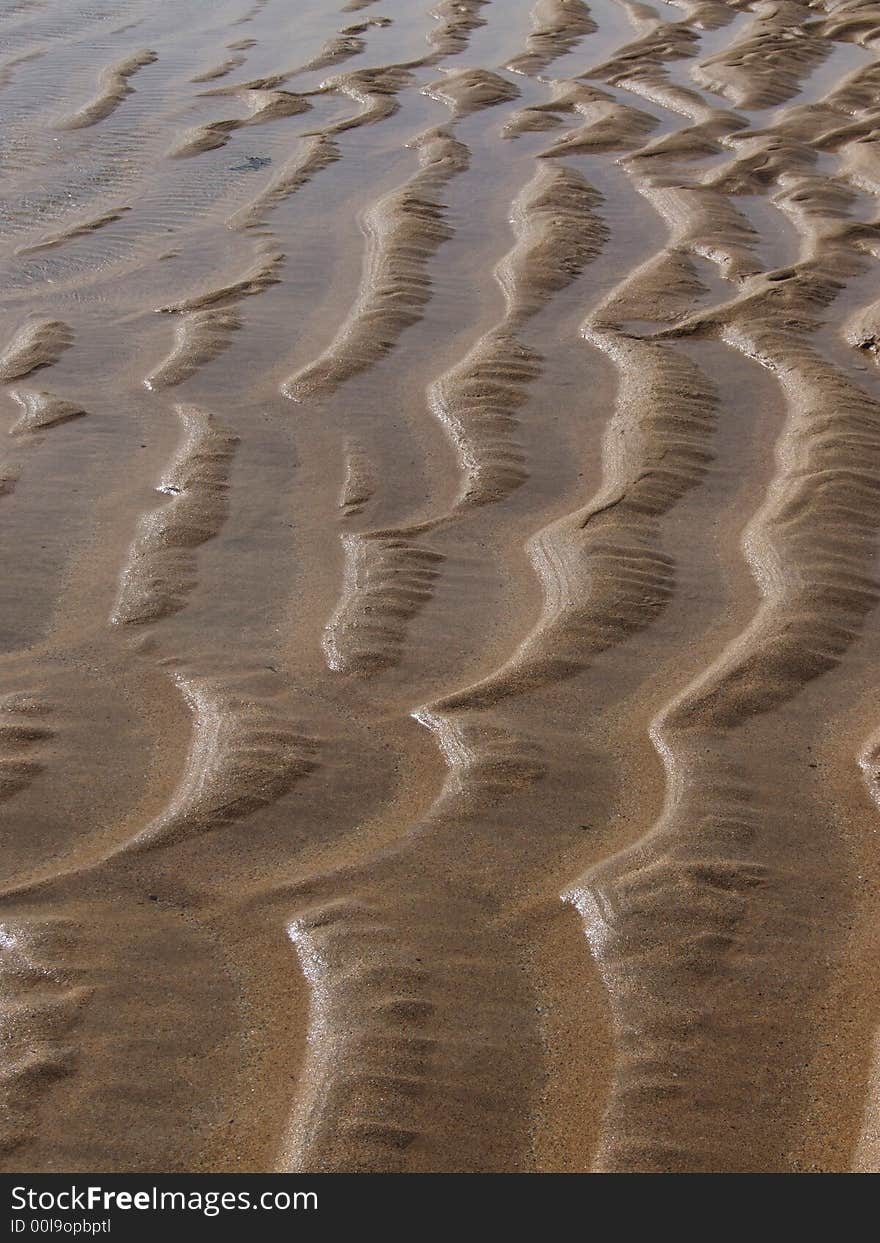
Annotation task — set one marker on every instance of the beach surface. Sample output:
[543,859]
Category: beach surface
[439,643]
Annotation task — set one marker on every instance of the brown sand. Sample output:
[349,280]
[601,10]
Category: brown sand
[437,712]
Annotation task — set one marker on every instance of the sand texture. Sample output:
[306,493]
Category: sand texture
[440,643]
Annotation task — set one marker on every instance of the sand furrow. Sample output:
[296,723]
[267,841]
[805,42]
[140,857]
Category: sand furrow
[462,774]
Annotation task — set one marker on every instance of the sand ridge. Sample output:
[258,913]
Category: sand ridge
[441,498]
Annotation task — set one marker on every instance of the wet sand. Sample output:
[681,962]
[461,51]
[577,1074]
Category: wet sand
[440,486]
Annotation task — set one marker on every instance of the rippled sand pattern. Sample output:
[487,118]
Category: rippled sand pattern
[439,644]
